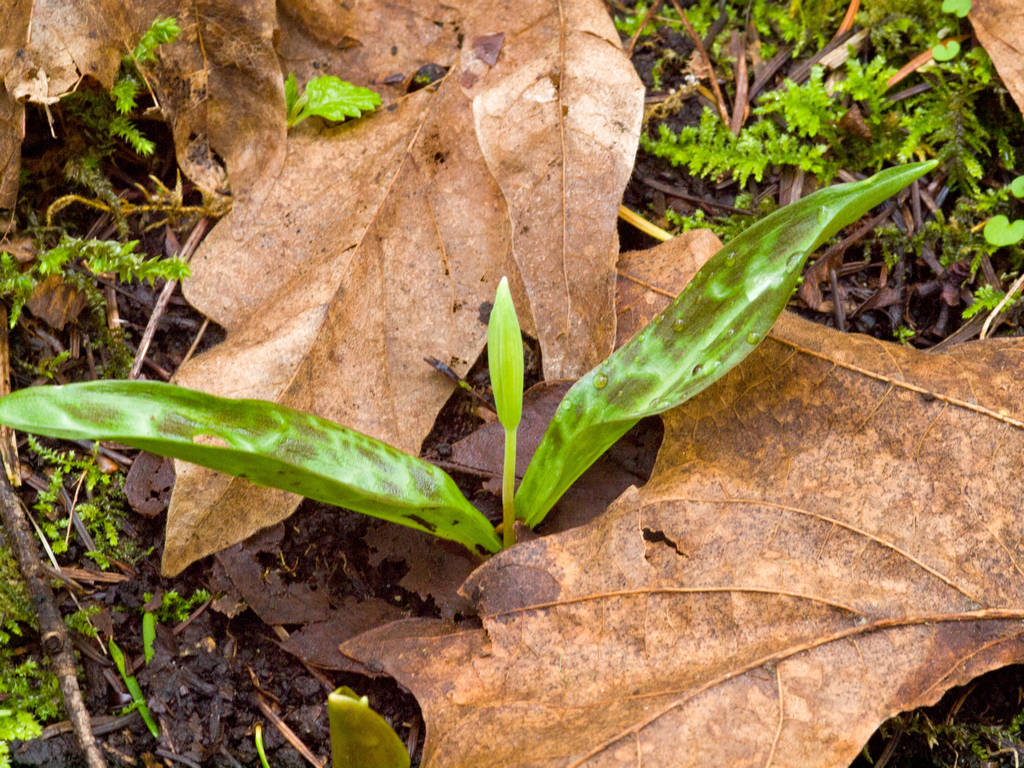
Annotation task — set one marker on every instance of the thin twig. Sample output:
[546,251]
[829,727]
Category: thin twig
[165,297]
[1017,284]
[847,23]
[52,631]
[682,194]
[655,7]
[723,111]
[740,106]
[8,445]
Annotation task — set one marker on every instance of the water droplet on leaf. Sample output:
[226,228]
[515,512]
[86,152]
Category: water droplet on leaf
[678,325]
[600,381]
[753,338]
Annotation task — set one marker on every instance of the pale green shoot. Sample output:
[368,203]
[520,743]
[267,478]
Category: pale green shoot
[505,361]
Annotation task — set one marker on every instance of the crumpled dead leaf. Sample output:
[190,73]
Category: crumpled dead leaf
[830,536]
[385,239]
[999,25]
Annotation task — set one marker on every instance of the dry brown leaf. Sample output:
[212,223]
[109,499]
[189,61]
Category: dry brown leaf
[55,302]
[831,535]
[46,47]
[13,37]
[383,241]
[999,25]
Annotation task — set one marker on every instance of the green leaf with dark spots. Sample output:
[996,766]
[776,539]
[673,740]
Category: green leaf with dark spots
[722,315]
[266,443]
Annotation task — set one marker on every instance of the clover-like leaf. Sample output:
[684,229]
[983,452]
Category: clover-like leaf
[960,7]
[1017,186]
[946,51]
[1000,231]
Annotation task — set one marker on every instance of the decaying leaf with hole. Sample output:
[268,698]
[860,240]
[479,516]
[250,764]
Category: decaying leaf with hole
[831,535]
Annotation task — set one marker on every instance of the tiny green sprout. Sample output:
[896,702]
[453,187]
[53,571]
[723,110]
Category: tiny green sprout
[148,635]
[505,361]
[138,700]
[903,334]
[1017,186]
[360,738]
[257,737]
[327,97]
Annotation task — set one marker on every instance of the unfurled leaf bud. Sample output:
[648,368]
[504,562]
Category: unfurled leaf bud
[505,357]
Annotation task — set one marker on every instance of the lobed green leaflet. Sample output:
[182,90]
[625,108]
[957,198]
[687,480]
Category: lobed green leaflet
[722,315]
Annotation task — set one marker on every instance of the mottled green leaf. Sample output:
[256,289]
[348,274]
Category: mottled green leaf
[266,443]
[721,316]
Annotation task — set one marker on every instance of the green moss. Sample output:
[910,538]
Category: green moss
[102,505]
[174,608]
[29,696]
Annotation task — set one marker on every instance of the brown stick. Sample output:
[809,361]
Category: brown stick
[655,7]
[52,632]
[165,297]
[740,105]
[847,23]
[8,445]
[723,110]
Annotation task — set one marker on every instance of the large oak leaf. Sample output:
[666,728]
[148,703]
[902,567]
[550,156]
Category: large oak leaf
[831,535]
[382,241]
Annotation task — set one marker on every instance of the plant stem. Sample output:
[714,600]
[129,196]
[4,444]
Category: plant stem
[508,489]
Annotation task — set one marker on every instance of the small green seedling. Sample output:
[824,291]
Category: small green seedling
[138,700]
[723,314]
[505,361]
[360,738]
[148,635]
[327,97]
[257,737]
